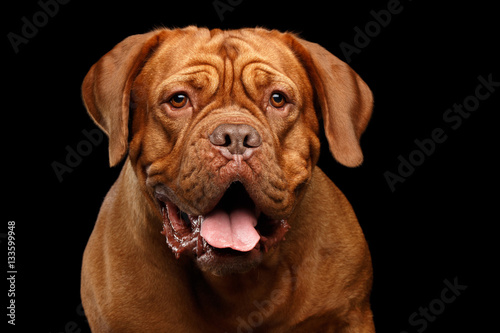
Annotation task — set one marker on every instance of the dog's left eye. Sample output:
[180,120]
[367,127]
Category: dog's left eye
[178,101]
[277,100]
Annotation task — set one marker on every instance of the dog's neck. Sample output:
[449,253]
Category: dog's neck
[265,290]
[136,213]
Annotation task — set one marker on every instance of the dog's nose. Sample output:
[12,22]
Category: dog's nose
[236,138]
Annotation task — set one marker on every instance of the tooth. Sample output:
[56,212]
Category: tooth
[196,222]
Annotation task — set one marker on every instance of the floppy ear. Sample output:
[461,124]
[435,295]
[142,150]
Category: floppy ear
[106,88]
[346,101]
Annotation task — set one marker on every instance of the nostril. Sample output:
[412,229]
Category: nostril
[220,137]
[227,141]
[252,140]
[245,142]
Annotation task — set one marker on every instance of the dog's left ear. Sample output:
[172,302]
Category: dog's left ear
[106,88]
[345,100]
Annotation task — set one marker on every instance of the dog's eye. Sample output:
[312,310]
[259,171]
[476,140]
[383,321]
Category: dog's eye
[178,101]
[277,100]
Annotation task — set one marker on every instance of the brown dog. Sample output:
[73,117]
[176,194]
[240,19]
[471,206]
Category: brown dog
[219,220]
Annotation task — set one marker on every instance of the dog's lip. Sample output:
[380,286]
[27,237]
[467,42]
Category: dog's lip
[182,230]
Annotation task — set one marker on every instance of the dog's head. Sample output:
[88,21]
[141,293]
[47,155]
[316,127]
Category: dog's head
[221,128]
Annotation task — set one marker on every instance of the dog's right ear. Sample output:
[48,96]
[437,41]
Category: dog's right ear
[106,88]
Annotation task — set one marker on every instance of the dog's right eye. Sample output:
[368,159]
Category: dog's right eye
[277,100]
[178,101]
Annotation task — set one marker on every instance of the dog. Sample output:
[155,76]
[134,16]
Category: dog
[220,220]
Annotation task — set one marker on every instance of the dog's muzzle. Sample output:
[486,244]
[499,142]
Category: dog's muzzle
[235,227]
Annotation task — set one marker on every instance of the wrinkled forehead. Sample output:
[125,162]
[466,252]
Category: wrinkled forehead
[227,55]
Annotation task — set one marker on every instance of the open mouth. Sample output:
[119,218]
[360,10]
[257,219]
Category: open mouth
[234,228]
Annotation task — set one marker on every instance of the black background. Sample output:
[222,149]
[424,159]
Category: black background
[441,223]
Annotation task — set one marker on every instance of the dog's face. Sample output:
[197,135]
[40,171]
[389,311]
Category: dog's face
[224,131]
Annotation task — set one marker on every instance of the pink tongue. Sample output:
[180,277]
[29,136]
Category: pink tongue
[235,230]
